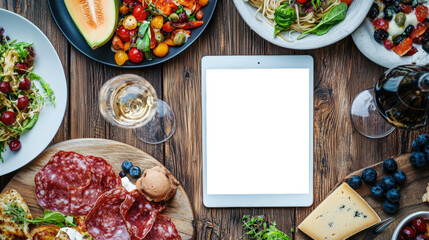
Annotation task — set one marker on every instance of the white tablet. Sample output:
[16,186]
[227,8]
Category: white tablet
[257,131]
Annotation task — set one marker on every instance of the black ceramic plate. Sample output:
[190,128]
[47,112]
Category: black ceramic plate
[104,54]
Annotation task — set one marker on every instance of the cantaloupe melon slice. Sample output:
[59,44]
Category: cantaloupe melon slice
[95,19]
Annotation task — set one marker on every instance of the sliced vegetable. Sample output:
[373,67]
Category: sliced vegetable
[121,57]
[161,50]
[403,48]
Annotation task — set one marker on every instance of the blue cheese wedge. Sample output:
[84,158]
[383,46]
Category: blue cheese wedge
[341,215]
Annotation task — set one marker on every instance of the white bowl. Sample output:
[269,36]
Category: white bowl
[408,219]
[356,13]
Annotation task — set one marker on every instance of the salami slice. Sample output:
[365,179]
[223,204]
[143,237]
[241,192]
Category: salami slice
[105,221]
[104,172]
[64,171]
[68,170]
[140,214]
[163,229]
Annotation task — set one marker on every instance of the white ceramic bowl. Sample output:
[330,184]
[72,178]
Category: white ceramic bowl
[356,13]
[408,219]
[363,37]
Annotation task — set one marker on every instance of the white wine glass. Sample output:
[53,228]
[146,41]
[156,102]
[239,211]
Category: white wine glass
[130,101]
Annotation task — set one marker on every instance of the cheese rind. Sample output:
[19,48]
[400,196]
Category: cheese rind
[341,215]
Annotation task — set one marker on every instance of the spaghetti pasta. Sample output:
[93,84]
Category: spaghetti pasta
[308,15]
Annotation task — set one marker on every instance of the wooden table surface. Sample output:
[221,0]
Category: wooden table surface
[341,72]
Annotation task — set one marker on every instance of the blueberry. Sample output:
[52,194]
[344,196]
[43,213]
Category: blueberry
[369,176]
[390,165]
[388,182]
[126,166]
[390,208]
[418,159]
[122,174]
[393,196]
[355,182]
[420,143]
[399,177]
[377,191]
[135,172]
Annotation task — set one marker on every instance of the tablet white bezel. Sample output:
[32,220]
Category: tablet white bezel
[257,62]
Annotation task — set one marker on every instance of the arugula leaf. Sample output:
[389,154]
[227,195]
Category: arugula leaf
[46,87]
[336,15]
[284,16]
[274,234]
[19,215]
[21,48]
[2,149]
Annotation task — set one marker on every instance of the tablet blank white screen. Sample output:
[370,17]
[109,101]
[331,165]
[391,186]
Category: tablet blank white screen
[257,131]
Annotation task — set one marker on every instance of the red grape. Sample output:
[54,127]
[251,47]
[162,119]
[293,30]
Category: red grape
[419,225]
[8,118]
[14,145]
[5,87]
[22,102]
[21,68]
[24,84]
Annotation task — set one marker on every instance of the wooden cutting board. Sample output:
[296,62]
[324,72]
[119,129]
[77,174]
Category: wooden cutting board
[411,194]
[179,208]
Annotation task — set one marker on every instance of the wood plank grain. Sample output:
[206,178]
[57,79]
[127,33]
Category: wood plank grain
[178,208]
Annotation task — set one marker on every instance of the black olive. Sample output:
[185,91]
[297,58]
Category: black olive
[408,30]
[374,11]
[425,41]
[406,1]
[380,35]
[398,39]
[389,12]
[426,48]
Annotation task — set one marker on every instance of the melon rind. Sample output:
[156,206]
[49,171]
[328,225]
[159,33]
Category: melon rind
[95,34]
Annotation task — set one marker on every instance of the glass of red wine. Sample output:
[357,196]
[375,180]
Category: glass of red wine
[400,99]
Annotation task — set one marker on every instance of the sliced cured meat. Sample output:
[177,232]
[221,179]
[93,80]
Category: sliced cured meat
[140,214]
[104,172]
[71,183]
[105,221]
[67,170]
[163,229]
[103,180]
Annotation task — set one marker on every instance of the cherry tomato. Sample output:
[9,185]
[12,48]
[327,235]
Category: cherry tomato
[168,26]
[24,84]
[419,225]
[406,8]
[123,34]
[135,55]
[5,87]
[302,1]
[199,15]
[117,43]
[422,237]
[408,233]
[21,68]
[388,44]
[139,13]
[15,145]
[381,23]
[22,102]
[421,13]
[8,118]
[348,2]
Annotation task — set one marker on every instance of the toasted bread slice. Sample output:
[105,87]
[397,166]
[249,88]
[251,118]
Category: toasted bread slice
[9,229]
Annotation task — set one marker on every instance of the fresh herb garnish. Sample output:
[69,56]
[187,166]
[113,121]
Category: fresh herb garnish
[336,15]
[256,228]
[19,215]
[284,17]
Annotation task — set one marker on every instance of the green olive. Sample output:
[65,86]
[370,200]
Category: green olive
[159,37]
[400,19]
[179,39]
[174,17]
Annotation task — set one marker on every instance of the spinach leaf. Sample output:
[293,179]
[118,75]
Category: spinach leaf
[284,16]
[336,15]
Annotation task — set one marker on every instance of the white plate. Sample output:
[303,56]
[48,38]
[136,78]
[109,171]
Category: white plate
[48,65]
[356,13]
[376,52]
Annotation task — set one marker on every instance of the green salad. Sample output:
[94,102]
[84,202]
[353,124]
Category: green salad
[20,99]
